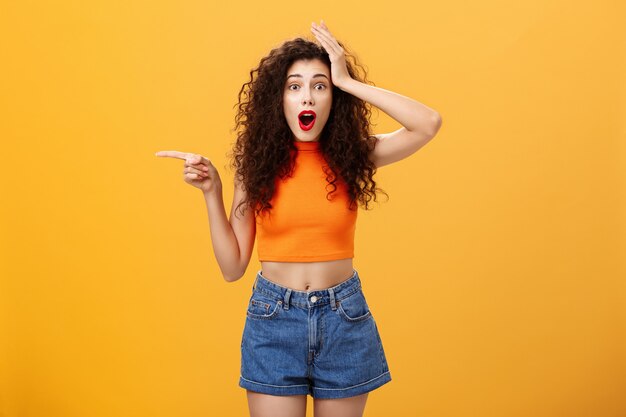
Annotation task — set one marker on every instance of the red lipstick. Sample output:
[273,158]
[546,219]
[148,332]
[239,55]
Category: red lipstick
[306,118]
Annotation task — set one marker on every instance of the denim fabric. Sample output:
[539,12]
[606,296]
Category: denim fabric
[324,343]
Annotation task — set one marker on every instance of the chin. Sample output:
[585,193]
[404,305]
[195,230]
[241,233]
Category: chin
[306,137]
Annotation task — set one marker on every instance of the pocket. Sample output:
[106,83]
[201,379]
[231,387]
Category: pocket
[263,307]
[354,307]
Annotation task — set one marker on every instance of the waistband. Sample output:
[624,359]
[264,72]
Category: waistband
[307,298]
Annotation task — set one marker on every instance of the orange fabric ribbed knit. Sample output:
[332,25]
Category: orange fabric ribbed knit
[303,225]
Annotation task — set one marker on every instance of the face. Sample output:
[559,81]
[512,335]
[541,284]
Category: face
[307,90]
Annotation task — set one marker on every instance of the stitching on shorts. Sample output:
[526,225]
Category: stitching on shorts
[263,305]
[354,386]
[275,297]
[270,385]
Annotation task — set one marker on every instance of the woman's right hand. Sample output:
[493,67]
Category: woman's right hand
[199,171]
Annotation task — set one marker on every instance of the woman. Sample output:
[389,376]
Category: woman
[304,158]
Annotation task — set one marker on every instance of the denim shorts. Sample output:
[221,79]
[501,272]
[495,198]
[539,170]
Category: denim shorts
[324,342]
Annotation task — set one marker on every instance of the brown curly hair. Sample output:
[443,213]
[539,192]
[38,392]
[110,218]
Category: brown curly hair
[264,149]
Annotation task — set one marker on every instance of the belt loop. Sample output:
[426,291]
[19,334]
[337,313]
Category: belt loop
[286,301]
[333,304]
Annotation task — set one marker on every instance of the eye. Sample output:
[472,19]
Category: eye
[293,85]
[321,85]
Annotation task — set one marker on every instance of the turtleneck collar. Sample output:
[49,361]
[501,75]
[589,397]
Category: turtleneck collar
[307,146]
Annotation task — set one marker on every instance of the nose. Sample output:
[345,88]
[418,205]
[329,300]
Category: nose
[306,98]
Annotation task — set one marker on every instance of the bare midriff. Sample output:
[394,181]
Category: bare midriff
[308,276]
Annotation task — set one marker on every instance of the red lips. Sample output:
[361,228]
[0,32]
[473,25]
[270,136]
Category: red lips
[306,118]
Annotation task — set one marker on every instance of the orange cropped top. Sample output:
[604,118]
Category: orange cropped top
[304,225]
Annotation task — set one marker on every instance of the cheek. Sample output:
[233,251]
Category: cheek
[287,110]
[328,105]
[290,105]
[327,111]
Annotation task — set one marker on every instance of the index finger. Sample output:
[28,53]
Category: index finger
[173,154]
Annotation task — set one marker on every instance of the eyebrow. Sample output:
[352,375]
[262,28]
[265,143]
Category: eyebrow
[300,76]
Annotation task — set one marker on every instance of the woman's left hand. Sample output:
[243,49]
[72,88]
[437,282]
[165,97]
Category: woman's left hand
[338,69]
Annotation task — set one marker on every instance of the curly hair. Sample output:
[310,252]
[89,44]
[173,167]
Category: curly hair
[264,149]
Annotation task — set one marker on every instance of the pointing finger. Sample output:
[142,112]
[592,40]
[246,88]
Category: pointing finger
[189,158]
[173,154]
[194,159]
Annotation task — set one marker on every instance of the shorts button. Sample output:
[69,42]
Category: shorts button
[313,299]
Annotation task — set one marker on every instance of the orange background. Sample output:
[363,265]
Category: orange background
[495,271]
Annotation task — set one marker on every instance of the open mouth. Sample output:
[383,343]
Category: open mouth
[306,119]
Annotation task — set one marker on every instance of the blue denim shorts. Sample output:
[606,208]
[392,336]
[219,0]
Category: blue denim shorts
[324,342]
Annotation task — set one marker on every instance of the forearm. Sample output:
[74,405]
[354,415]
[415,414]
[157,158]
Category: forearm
[223,239]
[413,115]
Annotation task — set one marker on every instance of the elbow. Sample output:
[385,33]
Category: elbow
[232,278]
[234,269]
[233,275]
[436,124]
